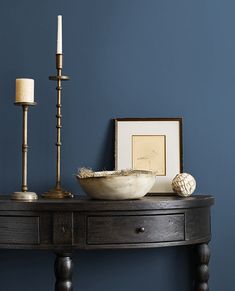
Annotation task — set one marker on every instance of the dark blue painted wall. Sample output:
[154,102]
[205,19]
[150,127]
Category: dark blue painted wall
[126,58]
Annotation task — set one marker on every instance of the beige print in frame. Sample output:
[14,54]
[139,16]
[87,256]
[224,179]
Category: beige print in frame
[171,128]
[149,153]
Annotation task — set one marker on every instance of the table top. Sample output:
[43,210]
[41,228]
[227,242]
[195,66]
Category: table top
[83,203]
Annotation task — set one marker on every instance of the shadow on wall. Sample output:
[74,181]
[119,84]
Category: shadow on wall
[105,160]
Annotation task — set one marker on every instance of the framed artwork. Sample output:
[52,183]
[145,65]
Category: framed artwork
[153,144]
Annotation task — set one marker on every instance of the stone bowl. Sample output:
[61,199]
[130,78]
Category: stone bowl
[111,185]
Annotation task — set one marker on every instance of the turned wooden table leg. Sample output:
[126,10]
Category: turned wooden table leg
[63,272]
[203,256]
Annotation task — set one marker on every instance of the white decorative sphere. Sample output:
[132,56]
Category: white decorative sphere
[184,184]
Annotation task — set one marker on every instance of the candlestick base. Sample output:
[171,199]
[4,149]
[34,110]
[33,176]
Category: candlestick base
[57,194]
[25,103]
[25,196]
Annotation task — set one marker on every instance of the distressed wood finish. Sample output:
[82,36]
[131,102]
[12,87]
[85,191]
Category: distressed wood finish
[85,204]
[63,272]
[62,228]
[134,229]
[19,230]
[203,267]
[81,223]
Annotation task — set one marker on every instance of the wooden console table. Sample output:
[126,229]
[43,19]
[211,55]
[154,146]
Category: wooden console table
[80,223]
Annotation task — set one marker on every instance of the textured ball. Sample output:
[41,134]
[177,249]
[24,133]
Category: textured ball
[184,184]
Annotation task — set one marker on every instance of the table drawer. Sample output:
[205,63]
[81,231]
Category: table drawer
[19,230]
[134,229]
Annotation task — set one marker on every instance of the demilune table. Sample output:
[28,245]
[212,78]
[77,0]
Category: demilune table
[80,223]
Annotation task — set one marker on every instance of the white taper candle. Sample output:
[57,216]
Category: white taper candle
[59,34]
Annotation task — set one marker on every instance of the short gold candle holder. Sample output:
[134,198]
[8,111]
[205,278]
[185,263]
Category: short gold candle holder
[24,194]
[58,192]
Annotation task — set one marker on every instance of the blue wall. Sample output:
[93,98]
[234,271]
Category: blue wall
[126,58]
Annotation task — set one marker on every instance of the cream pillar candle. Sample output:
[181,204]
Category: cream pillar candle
[24,90]
[59,34]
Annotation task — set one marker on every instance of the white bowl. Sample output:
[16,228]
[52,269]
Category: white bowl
[114,186]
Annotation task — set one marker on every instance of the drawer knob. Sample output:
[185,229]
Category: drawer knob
[140,229]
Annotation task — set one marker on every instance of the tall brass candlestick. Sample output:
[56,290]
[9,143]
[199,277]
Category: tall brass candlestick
[58,192]
[24,194]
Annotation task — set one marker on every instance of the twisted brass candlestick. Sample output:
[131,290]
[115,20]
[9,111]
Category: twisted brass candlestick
[24,194]
[58,192]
